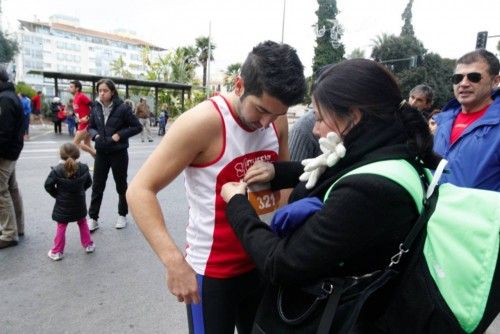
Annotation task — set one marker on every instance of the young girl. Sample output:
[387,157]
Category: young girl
[67,183]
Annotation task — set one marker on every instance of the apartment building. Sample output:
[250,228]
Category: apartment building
[62,45]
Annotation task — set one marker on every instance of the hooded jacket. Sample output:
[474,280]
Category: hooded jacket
[69,193]
[11,122]
[121,120]
[474,158]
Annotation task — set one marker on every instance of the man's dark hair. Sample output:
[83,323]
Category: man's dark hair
[39,92]
[481,55]
[424,89]
[276,70]
[4,76]
[77,84]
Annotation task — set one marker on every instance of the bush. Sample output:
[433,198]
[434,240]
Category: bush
[23,88]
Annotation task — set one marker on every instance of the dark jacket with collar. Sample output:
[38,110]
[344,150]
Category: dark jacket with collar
[121,120]
[357,231]
[69,193]
[11,122]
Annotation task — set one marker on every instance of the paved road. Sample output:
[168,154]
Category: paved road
[118,289]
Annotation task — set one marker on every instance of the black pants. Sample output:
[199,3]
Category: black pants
[118,162]
[225,304]
[57,126]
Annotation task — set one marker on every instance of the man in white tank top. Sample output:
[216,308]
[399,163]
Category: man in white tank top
[213,143]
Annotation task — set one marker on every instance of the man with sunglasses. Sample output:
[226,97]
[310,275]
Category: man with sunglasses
[468,133]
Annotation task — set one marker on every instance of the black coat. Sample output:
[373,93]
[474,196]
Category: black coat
[55,107]
[69,193]
[121,120]
[356,232]
[11,122]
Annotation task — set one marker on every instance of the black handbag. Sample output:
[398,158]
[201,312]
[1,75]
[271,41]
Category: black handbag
[335,303]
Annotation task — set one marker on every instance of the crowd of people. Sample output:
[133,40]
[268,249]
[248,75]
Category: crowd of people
[238,165]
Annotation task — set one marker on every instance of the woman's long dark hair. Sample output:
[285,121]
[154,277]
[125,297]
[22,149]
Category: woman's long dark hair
[370,87]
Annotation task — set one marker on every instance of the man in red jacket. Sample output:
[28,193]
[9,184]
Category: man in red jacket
[81,106]
[36,103]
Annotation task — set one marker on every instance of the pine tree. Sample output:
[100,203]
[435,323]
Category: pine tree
[324,52]
[407,29]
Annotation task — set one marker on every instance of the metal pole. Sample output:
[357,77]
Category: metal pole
[207,87]
[283,23]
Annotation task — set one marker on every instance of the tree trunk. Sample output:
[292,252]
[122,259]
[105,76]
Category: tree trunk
[205,75]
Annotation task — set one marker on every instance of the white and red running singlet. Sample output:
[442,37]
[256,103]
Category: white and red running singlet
[212,247]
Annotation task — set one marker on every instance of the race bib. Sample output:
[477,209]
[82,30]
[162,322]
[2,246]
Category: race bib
[264,201]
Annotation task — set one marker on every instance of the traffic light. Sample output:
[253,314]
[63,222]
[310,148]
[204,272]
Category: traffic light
[482,37]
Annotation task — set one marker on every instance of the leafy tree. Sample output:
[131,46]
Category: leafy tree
[324,52]
[202,47]
[24,88]
[407,58]
[407,29]
[397,51]
[119,68]
[435,72]
[356,53]
[183,64]
[381,39]
[8,48]
[230,75]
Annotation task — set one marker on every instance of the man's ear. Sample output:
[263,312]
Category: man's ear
[496,82]
[239,86]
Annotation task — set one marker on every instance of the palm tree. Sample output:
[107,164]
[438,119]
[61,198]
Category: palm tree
[381,39]
[183,64]
[356,53]
[119,68]
[202,47]
[230,75]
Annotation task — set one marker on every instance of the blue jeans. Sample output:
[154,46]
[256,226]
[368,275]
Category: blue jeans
[71,125]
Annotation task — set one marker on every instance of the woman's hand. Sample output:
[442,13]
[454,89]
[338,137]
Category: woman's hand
[115,137]
[260,172]
[230,189]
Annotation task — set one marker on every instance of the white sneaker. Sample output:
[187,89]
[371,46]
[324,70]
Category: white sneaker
[55,256]
[93,225]
[90,249]
[121,222]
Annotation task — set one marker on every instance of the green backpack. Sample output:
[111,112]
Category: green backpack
[462,237]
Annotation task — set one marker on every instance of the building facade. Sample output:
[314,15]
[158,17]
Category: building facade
[61,45]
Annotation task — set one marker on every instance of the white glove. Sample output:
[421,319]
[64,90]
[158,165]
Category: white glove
[333,150]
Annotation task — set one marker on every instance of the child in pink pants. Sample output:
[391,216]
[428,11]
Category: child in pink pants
[67,183]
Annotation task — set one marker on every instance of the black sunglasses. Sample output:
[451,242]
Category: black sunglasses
[474,77]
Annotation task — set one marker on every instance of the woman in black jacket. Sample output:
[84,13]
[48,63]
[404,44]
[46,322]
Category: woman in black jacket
[67,183]
[365,216]
[55,108]
[112,123]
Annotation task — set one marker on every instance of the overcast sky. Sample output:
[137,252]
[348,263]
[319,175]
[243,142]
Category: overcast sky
[446,27]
